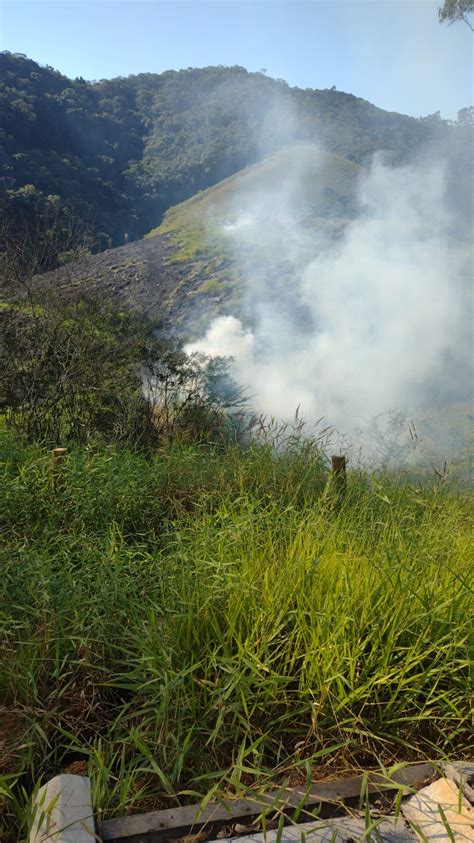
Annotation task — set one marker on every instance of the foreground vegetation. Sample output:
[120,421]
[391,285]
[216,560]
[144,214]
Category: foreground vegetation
[207,617]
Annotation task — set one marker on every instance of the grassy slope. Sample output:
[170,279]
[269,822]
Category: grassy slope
[318,189]
[187,270]
[210,611]
[312,170]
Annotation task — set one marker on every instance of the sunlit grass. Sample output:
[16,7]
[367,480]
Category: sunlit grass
[210,618]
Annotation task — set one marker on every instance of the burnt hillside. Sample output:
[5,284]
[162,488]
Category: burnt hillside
[191,268]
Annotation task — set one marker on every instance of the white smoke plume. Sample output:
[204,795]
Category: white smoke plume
[382,313]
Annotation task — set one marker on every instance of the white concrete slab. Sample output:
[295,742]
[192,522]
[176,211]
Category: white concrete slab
[338,830]
[63,811]
[439,812]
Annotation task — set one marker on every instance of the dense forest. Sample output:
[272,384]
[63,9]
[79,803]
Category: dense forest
[119,152]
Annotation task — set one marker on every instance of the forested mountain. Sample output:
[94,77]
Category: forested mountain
[122,151]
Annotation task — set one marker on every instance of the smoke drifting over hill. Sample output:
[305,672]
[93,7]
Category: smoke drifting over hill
[379,319]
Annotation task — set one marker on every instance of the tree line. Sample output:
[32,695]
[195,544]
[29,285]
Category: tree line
[122,151]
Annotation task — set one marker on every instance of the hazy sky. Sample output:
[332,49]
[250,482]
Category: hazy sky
[394,53]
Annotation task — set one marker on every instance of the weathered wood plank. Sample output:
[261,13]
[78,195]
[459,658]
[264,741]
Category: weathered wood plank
[179,822]
[462,774]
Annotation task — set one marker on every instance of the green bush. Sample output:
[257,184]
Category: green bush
[78,370]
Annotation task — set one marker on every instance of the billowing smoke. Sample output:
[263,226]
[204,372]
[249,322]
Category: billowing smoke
[369,312]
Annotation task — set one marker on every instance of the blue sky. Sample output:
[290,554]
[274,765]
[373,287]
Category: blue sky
[391,52]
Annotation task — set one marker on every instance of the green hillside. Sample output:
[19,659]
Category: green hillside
[239,236]
[124,150]
[194,265]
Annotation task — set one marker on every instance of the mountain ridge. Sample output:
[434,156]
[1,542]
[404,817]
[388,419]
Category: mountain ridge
[124,150]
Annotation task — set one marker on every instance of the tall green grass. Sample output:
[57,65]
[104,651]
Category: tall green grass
[209,618]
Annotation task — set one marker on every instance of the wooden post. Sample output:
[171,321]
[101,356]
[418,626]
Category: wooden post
[58,456]
[338,464]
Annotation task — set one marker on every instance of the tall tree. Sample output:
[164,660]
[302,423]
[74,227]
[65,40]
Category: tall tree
[456,10]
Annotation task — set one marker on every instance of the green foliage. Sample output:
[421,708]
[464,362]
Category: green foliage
[56,136]
[69,370]
[206,619]
[38,233]
[80,370]
[127,149]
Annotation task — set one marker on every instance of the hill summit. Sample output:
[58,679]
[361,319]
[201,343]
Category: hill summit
[124,150]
